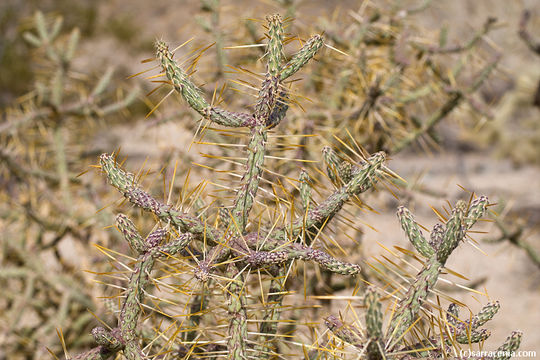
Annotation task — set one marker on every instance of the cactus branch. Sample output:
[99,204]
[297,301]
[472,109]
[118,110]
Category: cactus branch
[125,183]
[524,33]
[411,228]
[461,220]
[302,252]
[193,95]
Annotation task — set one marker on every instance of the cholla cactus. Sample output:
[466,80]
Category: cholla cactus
[374,343]
[232,252]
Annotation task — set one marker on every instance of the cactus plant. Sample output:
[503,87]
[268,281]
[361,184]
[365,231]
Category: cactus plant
[222,288]
[452,331]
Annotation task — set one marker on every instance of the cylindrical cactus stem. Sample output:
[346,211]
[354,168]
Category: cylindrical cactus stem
[274,49]
[224,217]
[180,79]
[270,89]
[473,336]
[132,351]
[269,95]
[270,321]
[193,95]
[229,118]
[139,280]
[436,236]
[279,111]
[345,332]
[172,247]
[108,339]
[374,323]
[339,170]
[461,220]
[305,189]
[454,232]
[366,177]
[306,53]
[332,162]
[410,304]
[130,233]
[477,209]
[120,179]
[131,308]
[411,228]
[487,313]
[250,180]
[374,316]
[272,102]
[467,332]
[154,238]
[505,351]
[302,252]
[236,344]
[452,315]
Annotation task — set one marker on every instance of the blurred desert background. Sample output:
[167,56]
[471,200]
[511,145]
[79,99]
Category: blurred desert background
[489,144]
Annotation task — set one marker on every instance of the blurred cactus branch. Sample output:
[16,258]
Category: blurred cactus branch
[36,277]
[532,44]
[421,7]
[525,35]
[212,27]
[383,111]
[488,25]
[85,107]
[59,228]
[24,174]
[456,97]
[61,62]
[51,103]
[514,233]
